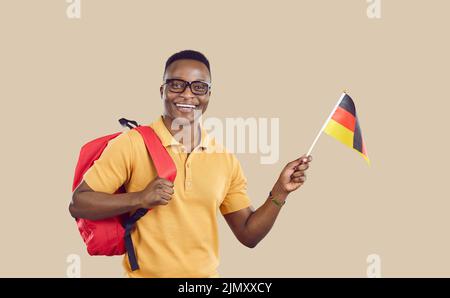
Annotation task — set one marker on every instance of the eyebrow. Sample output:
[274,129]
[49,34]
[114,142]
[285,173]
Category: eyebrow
[178,78]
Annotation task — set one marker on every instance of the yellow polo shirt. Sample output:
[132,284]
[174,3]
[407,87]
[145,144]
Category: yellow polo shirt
[179,239]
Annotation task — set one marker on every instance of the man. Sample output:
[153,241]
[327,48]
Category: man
[179,236]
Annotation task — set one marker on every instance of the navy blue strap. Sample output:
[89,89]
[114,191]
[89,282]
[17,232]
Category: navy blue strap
[128,225]
[164,167]
[125,122]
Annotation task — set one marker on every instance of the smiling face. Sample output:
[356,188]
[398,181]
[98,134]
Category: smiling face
[184,104]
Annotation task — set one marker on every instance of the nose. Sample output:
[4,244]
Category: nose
[187,92]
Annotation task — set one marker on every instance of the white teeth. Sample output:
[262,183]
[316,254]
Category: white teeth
[185,106]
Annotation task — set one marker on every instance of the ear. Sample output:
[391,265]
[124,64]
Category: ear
[161,91]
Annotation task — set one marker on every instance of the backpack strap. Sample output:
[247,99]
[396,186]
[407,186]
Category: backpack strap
[165,168]
[125,122]
[128,224]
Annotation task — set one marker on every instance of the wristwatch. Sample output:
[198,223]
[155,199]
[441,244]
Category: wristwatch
[275,201]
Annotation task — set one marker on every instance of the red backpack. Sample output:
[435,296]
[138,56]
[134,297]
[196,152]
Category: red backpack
[112,236]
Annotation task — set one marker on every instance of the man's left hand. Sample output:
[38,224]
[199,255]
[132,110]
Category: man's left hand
[293,176]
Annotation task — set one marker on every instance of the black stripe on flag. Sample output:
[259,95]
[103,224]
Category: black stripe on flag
[357,137]
[348,105]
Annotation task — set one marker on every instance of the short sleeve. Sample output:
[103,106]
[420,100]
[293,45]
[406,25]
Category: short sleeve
[236,197]
[113,168]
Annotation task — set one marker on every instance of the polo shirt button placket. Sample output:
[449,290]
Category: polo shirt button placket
[188,182]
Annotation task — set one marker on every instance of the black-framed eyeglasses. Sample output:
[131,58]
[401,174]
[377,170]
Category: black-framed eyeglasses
[178,86]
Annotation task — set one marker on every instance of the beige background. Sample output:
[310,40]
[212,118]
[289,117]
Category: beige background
[64,82]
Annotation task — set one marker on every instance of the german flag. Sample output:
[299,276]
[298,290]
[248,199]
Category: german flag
[344,126]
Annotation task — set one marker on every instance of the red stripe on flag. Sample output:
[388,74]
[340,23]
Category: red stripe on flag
[344,118]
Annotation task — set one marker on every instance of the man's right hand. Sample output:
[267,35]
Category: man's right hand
[89,204]
[158,192]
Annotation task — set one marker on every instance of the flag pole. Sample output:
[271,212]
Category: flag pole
[325,124]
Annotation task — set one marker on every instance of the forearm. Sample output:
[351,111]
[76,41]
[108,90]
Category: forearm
[261,221]
[98,205]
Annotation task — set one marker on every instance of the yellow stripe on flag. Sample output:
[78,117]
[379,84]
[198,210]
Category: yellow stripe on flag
[339,132]
[365,157]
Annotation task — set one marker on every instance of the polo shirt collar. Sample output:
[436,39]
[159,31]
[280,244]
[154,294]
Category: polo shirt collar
[167,139]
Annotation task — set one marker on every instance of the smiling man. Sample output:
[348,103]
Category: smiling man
[179,237]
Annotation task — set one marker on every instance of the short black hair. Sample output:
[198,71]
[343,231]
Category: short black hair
[188,54]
